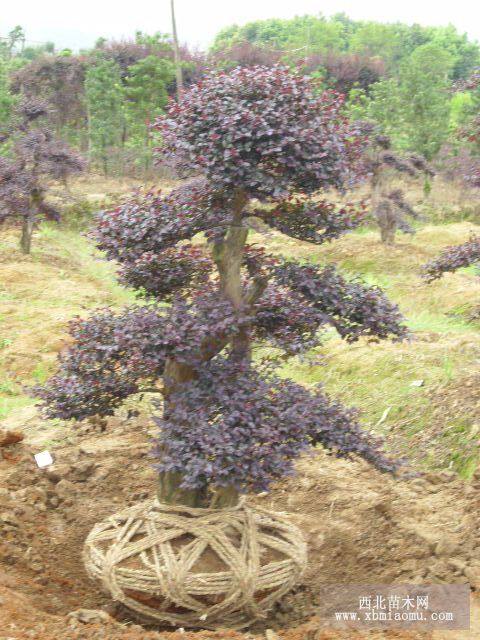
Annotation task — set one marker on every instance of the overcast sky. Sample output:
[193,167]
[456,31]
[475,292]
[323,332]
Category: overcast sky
[77,24]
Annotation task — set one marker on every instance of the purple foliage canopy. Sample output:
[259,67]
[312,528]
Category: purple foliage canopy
[259,134]
[453,258]
[34,158]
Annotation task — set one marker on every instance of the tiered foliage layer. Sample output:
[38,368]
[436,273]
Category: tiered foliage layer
[229,424]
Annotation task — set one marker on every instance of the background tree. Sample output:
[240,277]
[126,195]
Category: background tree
[298,37]
[424,99]
[7,99]
[99,116]
[146,97]
[413,107]
[377,40]
[309,35]
[35,157]
[379,67]
[468,130]
[388,204]
[345,72]
[58,80]
[106,121]
[464,54]
[229,425]
[392,44]
[128,52]
[15,38]
[245,54]
[382,105]
[34,51]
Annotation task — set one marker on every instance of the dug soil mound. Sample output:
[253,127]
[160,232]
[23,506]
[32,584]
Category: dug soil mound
[361,527]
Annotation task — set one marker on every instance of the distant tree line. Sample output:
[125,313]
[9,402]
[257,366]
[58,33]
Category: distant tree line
[103,100]
[415,83]
[393,44]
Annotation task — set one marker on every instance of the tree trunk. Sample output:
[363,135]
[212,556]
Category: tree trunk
[228,255]
[27,232]
[168,489]
[381,210]
[387,236]
[105,165]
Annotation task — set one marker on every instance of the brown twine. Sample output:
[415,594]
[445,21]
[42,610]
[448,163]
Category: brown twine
[240,536]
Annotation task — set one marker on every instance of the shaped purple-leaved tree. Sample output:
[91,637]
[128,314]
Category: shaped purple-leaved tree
[388,204]
[261,142]
[34,158]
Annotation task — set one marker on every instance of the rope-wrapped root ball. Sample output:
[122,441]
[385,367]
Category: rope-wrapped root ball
[196,567]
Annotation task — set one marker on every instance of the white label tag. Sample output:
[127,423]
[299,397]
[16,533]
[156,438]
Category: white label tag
[43,459]
[417,383]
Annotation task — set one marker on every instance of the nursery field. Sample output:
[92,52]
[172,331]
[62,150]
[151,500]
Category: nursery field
[409,390]
[424,394]
[239,325]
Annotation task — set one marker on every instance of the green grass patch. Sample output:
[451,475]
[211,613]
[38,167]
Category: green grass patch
[66,276]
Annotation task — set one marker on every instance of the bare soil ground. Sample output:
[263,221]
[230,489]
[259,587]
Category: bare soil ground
[361,527]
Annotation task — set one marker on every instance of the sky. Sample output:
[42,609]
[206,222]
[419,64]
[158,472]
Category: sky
[78,24]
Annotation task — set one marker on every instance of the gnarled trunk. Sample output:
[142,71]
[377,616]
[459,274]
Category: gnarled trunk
[27,232]
[228,256]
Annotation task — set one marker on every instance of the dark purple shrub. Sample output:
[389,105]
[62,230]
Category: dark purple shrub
[265,129]
[353,308]
[453,258]
[152,222]
[245,54]
[35,157]
[228,426]
[234,426]
[345,71]
[315,221]
[111,357]
[115,355]
[162,275]
[284,317]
